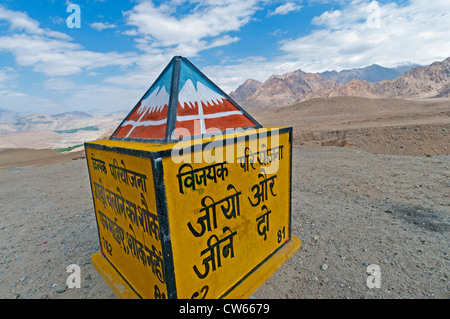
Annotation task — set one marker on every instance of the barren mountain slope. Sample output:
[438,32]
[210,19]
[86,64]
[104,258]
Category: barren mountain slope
[281,90]
[420,82]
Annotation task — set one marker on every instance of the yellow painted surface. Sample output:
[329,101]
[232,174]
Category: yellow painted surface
[259,276]
[117,284]
[125,208]
[227,213]
[243,291]
[228,209]
[150,147]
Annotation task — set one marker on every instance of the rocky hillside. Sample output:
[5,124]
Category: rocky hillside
[420,82]
[245,90]
[280,90]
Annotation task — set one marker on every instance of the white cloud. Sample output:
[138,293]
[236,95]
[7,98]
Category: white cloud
[6,76]
[100,26]
[55,55]
[161,34]
[59,58]
[331,19]
[19,21]
[285,9]
[52,53]
[205,26]
[417,31]
[23,102]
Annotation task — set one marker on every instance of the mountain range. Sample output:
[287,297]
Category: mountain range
[375,81]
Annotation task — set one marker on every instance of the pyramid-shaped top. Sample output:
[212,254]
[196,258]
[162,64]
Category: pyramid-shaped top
[182,102]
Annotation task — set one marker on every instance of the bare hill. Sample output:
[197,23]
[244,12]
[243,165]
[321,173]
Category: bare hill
[389,126]
[281,90]
[420,82]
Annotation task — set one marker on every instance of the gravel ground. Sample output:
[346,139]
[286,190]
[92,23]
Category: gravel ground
[350,209]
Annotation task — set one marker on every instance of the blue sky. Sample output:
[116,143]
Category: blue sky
[108,63]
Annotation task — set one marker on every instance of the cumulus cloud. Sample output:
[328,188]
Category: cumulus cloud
[355,35]
[205,26]
[19,21]
[59,58]
[285,9]
[160,32]
[49,52]
[100,26]
[366,32]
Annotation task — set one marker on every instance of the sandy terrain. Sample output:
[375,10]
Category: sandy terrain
[386,126]
[20,157]
[351,207]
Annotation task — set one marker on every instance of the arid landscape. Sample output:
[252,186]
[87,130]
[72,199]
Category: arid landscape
[385,126]
[370,185]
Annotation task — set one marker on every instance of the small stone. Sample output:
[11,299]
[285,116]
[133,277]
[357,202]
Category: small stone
[324,281]
[22,279]
[316,238]
[62,289]
[324,267]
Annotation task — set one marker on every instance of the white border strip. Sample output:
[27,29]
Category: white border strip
[207,116]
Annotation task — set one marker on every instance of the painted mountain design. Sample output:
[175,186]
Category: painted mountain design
[201,107]
[148,119]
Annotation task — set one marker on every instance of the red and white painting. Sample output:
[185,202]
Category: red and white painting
[201,108]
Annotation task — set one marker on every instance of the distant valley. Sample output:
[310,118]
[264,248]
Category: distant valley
[40,131]
[14,122]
